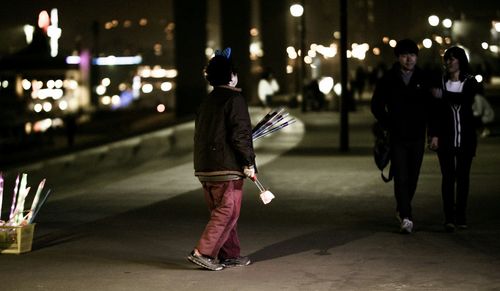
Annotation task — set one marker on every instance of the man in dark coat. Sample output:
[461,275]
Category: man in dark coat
[401,104]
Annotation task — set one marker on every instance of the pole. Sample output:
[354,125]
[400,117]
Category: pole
[344,99]
[302,49]
[189,55]
[298,73]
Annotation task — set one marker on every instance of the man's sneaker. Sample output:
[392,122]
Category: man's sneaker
[235,262]
[462,226]
[406,226]
[449,227]
[204,261]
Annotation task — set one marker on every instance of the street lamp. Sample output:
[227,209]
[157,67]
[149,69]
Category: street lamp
[297,11]
[433,20]
[496,25]
[427,43]
[447,23]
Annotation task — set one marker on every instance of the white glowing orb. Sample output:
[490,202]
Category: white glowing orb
[427,43]
[326,85]
[100,90]
[47,106]
[447,23]
[26,84]
[115,100]
[166,86]
[160,108]
[105,82]
[337,88]
[433,20]
[63,105]
[38,107]
[106,100]
[147,88]
[296,10]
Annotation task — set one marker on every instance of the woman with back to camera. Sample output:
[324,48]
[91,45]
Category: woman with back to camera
[454,135]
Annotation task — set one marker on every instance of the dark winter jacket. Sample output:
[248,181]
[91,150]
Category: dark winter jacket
[455,127]
[223,135]
[403,109]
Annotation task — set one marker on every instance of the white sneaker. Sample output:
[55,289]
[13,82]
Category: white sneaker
[406,226]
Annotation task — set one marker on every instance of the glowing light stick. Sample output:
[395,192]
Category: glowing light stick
[23,192]
[19,213]
[274,129]
[278,118]
[1,194]
[35,200]
[270,121]
[265,119]
[39,206]
[14,198]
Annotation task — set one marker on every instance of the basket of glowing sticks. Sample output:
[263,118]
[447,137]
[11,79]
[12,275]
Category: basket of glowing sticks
[274,121]
[16,233]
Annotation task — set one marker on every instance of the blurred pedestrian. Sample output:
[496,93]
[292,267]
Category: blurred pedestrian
[314,99]
[267,88]
[70,124]
[358,84]
[483,113]
[400,103]
[454,136]
[223,157]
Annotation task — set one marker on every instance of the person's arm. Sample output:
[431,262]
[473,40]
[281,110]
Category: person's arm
[275,85]
[433,104]
[433,122]
[261,90]
[435,111]
[240,128]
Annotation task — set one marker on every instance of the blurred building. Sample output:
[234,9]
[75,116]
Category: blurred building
[38,89]
[125,53]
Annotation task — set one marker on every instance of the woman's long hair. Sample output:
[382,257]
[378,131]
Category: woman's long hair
[459,54]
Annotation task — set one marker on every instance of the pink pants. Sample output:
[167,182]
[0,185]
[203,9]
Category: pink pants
[220,237]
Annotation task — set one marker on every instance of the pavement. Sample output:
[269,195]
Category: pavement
[125,215]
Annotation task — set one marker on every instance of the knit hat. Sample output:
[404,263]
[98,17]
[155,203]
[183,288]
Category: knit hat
[220,68]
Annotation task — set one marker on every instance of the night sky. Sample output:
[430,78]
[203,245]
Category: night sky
[394,17]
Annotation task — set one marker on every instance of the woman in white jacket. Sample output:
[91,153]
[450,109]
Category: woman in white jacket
[268,87]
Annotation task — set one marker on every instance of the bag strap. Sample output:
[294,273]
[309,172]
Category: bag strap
[389,177]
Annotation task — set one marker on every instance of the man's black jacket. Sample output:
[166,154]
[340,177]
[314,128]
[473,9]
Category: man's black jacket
[405,110]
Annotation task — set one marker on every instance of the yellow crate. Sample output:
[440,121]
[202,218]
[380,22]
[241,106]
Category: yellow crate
[16,239]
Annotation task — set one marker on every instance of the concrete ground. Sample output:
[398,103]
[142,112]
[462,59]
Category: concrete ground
[124,217]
